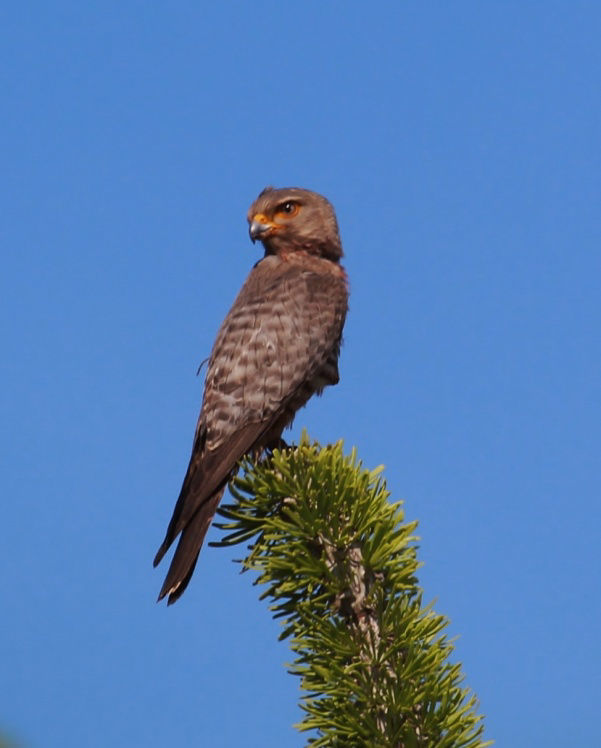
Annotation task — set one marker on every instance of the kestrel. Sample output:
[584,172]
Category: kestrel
[277,347]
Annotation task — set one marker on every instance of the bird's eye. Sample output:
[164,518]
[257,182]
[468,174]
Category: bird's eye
[289,208]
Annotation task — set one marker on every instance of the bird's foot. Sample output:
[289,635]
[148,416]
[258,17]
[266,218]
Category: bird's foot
[279,444]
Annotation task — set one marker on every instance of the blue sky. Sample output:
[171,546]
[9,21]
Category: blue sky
[460,144]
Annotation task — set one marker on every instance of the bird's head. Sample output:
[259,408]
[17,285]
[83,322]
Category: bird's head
[291,218]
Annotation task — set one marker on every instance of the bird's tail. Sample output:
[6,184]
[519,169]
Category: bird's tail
[186,554]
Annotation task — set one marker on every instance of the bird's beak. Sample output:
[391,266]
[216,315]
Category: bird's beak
[260,227]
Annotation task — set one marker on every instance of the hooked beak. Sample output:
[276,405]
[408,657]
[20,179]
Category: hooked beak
[260,227]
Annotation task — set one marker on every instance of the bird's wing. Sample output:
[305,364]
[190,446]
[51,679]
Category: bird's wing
[282,333]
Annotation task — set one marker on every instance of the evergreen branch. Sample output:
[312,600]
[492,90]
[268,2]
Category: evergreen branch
[339,566]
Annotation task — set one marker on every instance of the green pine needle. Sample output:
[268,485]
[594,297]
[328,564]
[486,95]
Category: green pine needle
[339,566]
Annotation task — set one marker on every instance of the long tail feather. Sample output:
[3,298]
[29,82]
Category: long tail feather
[188,548]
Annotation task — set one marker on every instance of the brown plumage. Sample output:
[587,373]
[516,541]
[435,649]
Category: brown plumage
[277,347]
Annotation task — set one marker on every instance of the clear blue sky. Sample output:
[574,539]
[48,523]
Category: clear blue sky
[460,144]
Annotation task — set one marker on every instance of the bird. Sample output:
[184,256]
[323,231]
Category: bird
[278,345]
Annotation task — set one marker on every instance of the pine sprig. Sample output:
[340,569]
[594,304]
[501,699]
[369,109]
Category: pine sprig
[339,566]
